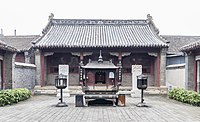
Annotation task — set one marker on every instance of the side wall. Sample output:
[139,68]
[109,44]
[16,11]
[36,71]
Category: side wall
[175,76]
[25,75]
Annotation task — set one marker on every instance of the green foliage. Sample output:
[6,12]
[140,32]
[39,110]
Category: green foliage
[185,96]
[10,96]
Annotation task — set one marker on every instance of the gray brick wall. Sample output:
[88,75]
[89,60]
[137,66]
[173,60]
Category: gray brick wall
[51,79]
[74,79]
[24,76]
[38,66]
[163,67]
[127,80]
[189,70]
[150,80]
[9,64]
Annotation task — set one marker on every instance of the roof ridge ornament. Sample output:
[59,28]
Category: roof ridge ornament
[48,26]
[51,16]
[100,60]
[149,17]
[151,23]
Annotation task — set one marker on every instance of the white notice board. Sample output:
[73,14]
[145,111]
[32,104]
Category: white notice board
[136,71]
[63,69]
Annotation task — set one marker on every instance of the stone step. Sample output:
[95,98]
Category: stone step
[52,90]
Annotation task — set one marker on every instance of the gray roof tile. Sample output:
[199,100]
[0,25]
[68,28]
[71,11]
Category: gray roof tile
[97,65]
[72,33]
[191,46]
[177,41]
[4,46]
[21,43]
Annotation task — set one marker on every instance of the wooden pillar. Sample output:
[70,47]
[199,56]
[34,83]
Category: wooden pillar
[158,71]
[42,69]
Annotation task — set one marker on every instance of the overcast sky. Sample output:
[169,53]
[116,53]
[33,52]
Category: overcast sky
[29,17]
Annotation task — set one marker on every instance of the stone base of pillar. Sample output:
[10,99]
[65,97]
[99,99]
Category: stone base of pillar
[198,87]
[136,93]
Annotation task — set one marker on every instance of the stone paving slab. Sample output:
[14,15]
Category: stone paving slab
[42,109]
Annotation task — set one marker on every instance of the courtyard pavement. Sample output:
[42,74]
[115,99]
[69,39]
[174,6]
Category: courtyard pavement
[42,109]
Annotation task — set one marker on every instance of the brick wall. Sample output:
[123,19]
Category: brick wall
[163,67]
[189,72]
[24,75]
[8,63]
[127,80]
[73,79]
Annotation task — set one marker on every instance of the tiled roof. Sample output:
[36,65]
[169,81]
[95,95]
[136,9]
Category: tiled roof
[4,46]
[177,41]
[21,43]
[78,33]
[97,65]
[191,46]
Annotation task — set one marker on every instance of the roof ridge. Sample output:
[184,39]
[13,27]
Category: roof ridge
[97,21]
[179,36]
[104,19]
[19,36]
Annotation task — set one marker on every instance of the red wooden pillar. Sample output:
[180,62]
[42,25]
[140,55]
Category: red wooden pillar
[81,57]
[195,75]
[158,70]
[42,69]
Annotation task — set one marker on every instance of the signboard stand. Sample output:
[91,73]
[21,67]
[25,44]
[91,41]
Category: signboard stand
[64,70]
[136,71]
